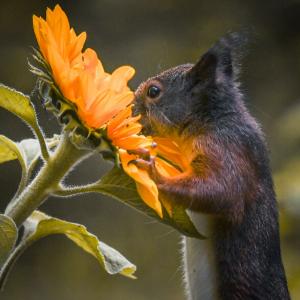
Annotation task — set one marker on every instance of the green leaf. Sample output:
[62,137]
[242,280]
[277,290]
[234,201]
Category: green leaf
[8,237]
[9,150]
[20,105]
[120,186]
[27,151]
[30,149]
[39,225]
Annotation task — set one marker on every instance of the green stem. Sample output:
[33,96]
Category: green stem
[50,175]
[63,191]
[26,174]
[22,184]
[41,138]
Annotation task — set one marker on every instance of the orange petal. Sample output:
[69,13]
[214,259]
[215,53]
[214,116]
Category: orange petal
[150,198]
[134,142]
[127,130]
[170,150]
[120,77]
[146,187]
[77,46]
[91,60]
[166,169]
[109,107]
[119,119]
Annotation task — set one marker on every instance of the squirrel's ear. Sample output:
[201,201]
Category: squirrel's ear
[221,62]
[205,69]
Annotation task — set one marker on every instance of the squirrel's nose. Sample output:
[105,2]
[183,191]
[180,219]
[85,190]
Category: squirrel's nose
[137,106]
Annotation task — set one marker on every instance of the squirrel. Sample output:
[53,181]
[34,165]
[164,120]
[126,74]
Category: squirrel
[230,189]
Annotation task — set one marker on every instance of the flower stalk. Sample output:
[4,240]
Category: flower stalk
[41,138]
[66,192]
[46,181]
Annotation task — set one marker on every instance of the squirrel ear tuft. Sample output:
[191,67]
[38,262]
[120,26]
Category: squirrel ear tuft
[221,62]
[205,69]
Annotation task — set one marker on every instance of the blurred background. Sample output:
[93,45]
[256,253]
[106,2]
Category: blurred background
[152,36]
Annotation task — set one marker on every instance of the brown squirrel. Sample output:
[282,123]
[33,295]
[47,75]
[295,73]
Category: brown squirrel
[230,188]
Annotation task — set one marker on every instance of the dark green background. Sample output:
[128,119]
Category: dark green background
[152,36]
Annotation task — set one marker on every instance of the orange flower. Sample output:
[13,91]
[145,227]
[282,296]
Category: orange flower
[80,76]
[101,98]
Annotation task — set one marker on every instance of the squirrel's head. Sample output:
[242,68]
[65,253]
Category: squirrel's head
[190,95]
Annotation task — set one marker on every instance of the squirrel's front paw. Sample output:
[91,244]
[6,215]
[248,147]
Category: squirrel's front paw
[148,165]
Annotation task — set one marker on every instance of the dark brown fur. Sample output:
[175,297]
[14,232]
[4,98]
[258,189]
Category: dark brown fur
[231,178]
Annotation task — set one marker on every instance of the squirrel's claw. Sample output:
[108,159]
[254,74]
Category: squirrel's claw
[142,153]
[146,165]
[149,166]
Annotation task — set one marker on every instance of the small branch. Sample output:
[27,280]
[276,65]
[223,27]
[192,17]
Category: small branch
[41,138]
[31,168]
[22,184]
[63,191]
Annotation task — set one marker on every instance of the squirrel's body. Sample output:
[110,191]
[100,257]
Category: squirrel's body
[230,187]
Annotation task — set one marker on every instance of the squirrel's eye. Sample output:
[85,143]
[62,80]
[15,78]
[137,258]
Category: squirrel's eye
[153,91]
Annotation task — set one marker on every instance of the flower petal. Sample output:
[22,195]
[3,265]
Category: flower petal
[145,185]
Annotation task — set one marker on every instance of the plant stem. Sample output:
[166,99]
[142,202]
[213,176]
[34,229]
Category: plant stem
[22,184]
[67,192]
[41,138]
[50,175]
